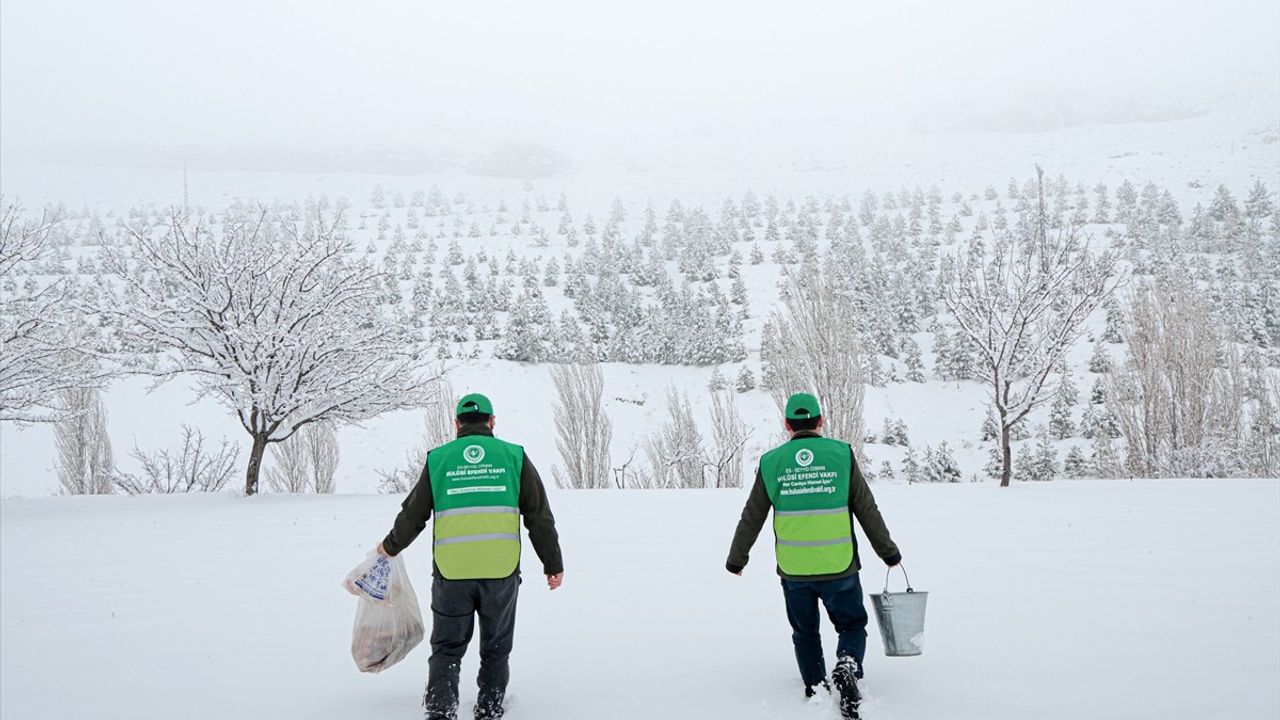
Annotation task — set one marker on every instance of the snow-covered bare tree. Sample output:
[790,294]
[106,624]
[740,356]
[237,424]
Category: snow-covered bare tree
[306,462]
[812,345]
[192,468]
[440,418]
[583,429]
[275,316]
[674,451]
[320,440]
[1180,414]
[43,344]
[1023,305]
[729,439]
[289,471]
[84,460]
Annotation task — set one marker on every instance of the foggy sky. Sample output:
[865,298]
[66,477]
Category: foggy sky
[587,74]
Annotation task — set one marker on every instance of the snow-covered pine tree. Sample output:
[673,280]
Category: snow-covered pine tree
[912,358]
[1075,465]
[940,465]
[1065,398]
[910,466]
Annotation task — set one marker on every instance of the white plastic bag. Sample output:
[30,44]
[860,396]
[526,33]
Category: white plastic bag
[388,621]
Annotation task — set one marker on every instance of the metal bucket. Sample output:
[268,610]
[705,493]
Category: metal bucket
[901,618]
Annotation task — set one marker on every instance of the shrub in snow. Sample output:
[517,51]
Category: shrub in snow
[193,467]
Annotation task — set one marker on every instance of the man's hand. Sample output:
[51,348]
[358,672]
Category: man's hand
[553,581]
[735,569]
[382,551]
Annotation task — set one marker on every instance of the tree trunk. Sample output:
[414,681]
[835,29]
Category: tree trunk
[255,464]
[1006,468]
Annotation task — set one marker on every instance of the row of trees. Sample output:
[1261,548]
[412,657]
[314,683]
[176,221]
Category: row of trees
[276,315]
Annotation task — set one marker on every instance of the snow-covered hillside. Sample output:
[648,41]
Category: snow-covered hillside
[533,278]
[1105,600]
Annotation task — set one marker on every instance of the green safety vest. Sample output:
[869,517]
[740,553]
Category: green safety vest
[475,486]
[808,483]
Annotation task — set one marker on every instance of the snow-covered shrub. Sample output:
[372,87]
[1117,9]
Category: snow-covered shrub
[193,467]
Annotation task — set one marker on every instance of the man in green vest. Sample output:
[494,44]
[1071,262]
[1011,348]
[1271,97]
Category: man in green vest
[478,487]
[814,488]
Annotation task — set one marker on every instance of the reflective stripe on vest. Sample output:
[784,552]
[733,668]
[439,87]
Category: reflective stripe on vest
[808,483]
[475,486]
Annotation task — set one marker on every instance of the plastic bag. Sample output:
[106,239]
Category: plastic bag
[388,621]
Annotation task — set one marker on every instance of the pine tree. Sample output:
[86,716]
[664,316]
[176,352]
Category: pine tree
[1024,465]
[915,366]
[910,467]
[1066,397]
[1100,360]
[1113,332]
[990,429]
[1075,465]
[941,465]
[995,461]
[1045,461]
[746,380]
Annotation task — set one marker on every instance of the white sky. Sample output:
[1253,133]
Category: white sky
[327,74]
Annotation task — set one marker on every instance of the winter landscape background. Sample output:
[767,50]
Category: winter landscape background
[620,226]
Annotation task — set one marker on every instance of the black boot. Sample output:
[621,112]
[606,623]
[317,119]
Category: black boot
[811,690]
[845,676]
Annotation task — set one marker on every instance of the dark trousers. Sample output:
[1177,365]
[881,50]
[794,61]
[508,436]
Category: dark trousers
[454,606]
[843,600]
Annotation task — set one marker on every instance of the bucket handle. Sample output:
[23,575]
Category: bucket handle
[904,575]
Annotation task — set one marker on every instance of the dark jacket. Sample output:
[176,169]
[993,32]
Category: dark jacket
[534,508]
[861,504]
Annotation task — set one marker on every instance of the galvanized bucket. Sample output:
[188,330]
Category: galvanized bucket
[901,618]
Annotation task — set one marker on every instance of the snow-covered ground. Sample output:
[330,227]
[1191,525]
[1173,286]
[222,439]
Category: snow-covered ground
[1124,600]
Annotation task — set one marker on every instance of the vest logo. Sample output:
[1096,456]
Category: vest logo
[804,457]
[473,454]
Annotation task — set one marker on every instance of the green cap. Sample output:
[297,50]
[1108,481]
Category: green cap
[474,402]
[803,406]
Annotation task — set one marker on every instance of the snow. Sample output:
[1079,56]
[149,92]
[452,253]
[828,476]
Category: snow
[1144,599]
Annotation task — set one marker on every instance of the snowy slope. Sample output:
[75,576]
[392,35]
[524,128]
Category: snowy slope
[1105,600]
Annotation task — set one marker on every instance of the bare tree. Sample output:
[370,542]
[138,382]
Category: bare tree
[729,437]
[441,413]
[192,468]
[583,429]
[622,473]
[272,318]
[812,345]
[1023,308]
[305,462]
[44,348]
[1179,412]
[321,442]
[289,472]
[674,451]
[84,460]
